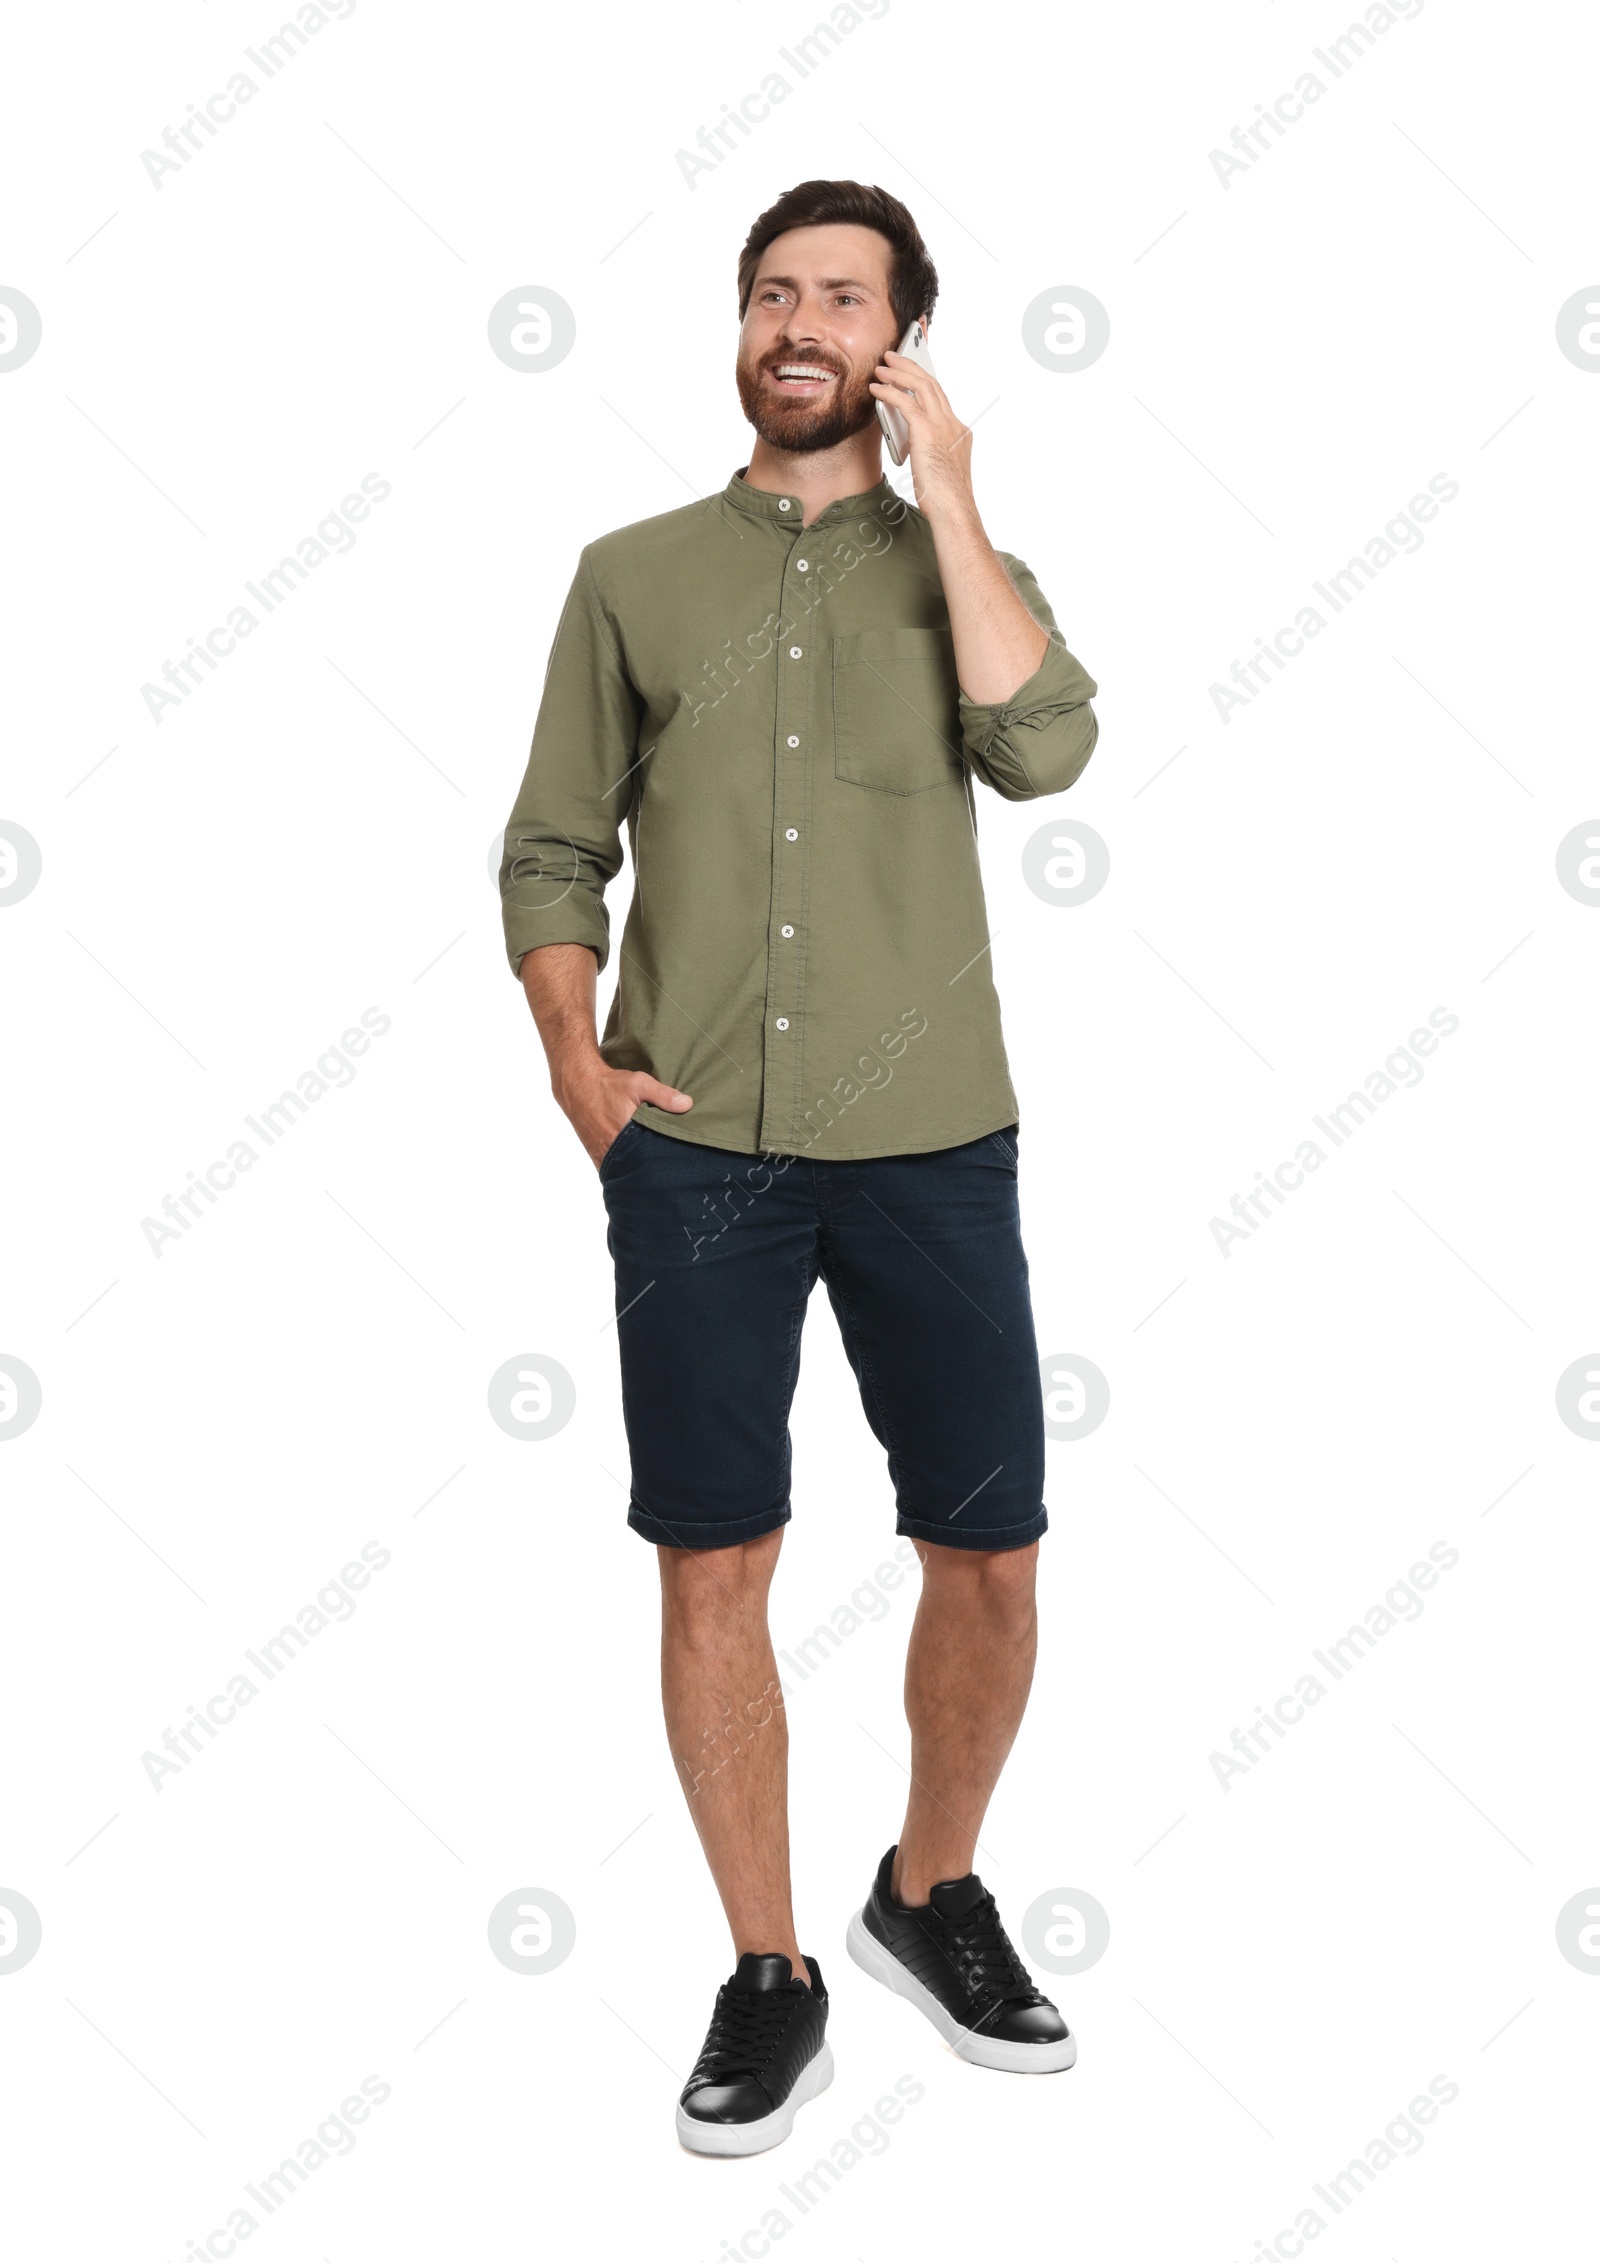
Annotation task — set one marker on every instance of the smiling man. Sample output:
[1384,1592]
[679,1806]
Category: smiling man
[784,693]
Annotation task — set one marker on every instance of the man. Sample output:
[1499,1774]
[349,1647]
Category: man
[785,691]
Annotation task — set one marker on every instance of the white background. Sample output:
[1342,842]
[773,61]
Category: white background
[1292,356]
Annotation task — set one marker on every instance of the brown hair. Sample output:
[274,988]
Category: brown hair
[913,280]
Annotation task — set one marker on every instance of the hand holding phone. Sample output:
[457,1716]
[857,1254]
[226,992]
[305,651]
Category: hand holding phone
[896,431]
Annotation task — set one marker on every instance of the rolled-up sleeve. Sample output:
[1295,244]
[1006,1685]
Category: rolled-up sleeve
[563,838]
[1037,741]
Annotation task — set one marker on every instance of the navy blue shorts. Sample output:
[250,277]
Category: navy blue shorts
[716,1256]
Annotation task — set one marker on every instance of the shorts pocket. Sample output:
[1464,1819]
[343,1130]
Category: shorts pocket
[896,710]
[631,1126]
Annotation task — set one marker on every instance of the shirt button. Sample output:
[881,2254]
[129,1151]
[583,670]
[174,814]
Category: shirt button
[794,742]
[794,652]
[803,565]
[791,834]
[786,931]
[784,505]
[781,1023]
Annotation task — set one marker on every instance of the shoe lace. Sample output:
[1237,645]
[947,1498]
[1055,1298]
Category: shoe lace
[989,1967]
[746,2028]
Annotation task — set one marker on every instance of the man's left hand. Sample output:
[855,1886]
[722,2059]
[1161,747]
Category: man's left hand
[941,445]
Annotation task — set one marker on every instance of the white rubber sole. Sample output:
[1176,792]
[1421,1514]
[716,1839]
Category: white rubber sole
[977,2050]
[734,2139]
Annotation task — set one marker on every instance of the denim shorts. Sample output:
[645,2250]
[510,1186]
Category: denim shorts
[716,1255]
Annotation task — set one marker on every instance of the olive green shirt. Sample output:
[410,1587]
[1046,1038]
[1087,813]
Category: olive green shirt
[772,711]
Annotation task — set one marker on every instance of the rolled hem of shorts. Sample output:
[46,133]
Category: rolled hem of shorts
[726,1532]
[992,1542]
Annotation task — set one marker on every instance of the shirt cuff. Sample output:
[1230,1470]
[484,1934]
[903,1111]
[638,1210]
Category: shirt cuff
[1059,684]
[577,918]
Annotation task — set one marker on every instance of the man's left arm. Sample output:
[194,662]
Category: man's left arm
[1026,720]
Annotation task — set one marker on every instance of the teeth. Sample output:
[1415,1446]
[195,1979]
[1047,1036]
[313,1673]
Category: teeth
[799,369]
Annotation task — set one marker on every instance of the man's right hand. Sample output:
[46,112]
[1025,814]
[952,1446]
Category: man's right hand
[599,1102]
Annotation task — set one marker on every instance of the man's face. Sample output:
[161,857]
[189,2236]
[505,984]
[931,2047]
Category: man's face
[819,308]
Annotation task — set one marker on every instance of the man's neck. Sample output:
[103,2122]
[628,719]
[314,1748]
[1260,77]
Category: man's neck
[821,477]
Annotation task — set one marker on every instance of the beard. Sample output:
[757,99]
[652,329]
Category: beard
[802,427]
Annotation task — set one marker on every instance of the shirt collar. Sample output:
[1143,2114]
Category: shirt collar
[787,510]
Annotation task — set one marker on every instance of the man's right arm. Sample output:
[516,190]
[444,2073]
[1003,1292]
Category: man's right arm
[597,1100]
[563,845]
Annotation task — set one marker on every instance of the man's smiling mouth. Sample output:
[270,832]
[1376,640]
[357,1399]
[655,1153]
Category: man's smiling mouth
[801,376]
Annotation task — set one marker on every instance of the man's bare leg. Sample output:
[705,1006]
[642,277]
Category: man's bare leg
[728,1733]
[969,1667]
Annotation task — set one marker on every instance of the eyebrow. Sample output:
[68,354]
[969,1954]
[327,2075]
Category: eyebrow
[825,282]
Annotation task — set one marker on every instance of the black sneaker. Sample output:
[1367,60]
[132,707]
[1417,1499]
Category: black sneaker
[954,1962]
[766,2054]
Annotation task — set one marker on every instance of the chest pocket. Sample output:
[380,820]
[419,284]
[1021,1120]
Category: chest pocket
[896,723]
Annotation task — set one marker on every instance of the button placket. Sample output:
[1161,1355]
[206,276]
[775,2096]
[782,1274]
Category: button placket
[792,723]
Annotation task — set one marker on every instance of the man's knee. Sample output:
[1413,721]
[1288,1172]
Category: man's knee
[706,1590]
[999,1582]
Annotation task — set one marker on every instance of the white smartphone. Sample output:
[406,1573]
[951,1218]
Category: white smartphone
[896,431]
